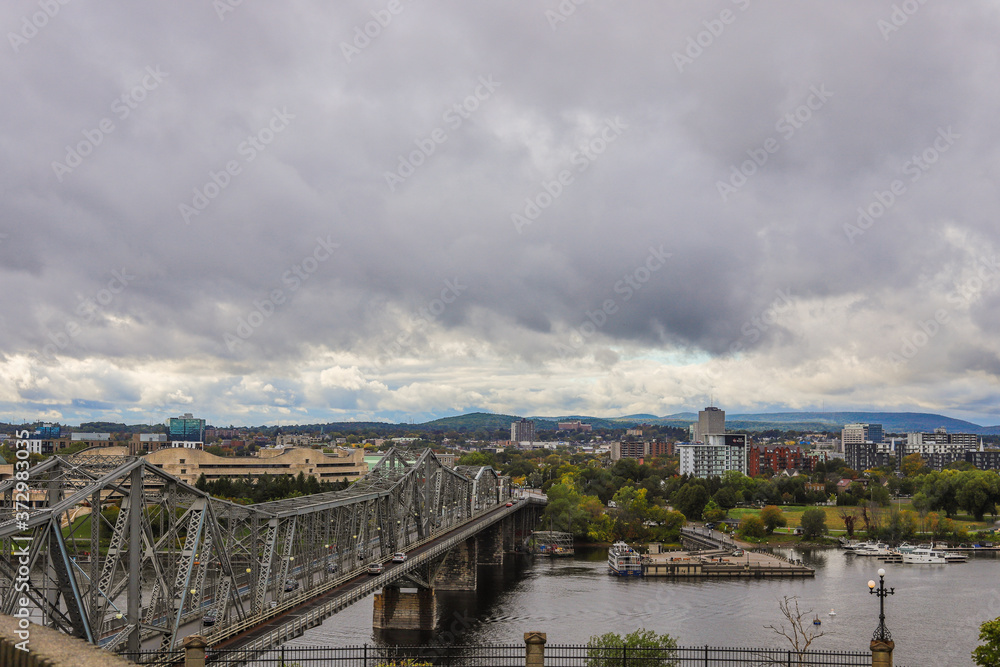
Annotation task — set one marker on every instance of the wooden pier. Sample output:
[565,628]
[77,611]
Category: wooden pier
[721,563]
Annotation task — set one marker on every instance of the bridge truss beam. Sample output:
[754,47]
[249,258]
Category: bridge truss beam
[123,554]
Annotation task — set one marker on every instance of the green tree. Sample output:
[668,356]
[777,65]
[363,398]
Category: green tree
[978,493]
[725,498]
[813,523]
[690,499]
[640,648]
[671,522]
[773,517]
[713,512]
[476,459]
[631,514]
[752,526]
[879,494]
[563,511]
[988,653]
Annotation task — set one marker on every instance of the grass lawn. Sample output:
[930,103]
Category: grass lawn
[793,513]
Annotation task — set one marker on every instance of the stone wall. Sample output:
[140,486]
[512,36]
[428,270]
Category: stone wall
[50,648]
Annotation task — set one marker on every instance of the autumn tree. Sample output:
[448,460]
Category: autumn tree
[752,526]
[848,516]
[773,517]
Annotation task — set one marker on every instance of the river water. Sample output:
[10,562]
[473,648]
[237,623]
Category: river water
[933,616]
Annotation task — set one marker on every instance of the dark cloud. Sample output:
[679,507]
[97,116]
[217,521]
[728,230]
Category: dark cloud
[236,169]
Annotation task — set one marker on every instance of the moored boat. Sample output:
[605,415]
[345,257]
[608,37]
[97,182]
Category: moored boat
[873,549]
[624,561]
[922,555]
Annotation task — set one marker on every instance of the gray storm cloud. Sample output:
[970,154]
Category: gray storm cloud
[256,211]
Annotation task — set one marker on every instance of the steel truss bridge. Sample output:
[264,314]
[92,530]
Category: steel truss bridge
[125,555]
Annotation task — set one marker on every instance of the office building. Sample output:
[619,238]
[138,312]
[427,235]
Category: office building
[189,464]
[717,454]
[575,426]
[984,459]
[861,456]
[186,428]
[628,449]
[711,421]
[47,432]
[854,433]
[522,431]
[631,449]
[939,448]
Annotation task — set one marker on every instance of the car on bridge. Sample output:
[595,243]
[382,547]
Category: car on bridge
[209,619]
[331,568]
[510,504]
[291,585]
[375,568]
[399,557]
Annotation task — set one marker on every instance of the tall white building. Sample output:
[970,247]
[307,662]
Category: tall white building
[717,454]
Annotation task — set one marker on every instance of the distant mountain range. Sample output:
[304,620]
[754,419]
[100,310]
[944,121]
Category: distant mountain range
[892,422]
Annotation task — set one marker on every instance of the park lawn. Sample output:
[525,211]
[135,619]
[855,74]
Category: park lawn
[81,528]
[793,513]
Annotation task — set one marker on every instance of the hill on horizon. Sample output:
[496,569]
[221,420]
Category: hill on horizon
[892,422]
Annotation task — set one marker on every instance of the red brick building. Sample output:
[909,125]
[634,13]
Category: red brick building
[662,449]
[777,458]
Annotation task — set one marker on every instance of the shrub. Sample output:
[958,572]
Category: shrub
[641,648]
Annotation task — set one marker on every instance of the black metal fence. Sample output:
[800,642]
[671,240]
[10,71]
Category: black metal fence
[513,655]
[703,656]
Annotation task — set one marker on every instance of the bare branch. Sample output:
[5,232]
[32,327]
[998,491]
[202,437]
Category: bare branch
[801,633]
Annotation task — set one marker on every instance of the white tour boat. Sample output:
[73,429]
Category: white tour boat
[624,561]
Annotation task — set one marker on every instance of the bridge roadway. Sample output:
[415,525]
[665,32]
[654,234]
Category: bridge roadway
[706,538]
[297,615]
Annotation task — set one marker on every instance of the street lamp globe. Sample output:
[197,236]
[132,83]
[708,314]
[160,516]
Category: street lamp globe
[871,584]
[881,572]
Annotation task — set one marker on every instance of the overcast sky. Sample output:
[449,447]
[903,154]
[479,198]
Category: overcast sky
[309,211]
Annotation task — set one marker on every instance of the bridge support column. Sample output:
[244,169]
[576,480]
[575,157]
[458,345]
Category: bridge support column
[458,571]
[396,610]
[490,545]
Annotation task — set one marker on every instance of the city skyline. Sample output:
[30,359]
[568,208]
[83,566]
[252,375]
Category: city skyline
[383,211]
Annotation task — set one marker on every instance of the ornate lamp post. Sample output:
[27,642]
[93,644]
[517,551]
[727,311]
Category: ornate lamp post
[881,644]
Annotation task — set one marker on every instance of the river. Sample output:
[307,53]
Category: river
[934,615]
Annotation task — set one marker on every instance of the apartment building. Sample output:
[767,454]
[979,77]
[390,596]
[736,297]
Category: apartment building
[717,454]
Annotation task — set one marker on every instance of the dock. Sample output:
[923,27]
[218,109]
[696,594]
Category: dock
[721,563]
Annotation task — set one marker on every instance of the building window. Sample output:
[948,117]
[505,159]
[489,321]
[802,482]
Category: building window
[183,461]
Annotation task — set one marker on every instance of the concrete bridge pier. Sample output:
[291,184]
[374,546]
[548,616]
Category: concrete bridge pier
[399,610]
[457,571]
[396,609]
[490,545]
